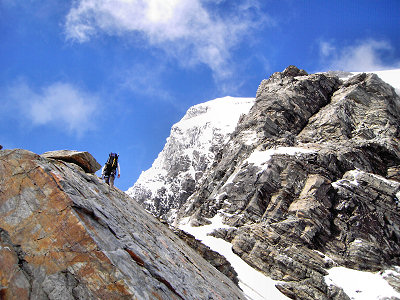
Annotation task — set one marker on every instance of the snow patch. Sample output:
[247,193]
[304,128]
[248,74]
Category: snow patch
[5,247]
[354,174]
[385,180]
[250,137]
[232,177]
[361,285]
[261,158]
[326,258]
[255,285]
[388,273]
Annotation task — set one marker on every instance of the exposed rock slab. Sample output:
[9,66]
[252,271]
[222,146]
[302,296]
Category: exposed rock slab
[65,235]
[82,158]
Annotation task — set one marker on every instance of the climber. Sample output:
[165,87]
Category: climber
[110,168]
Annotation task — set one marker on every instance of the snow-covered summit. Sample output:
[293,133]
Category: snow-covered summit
[190,149]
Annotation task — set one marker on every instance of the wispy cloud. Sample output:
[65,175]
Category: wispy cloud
[189,30]
[145,80]
[60,105]
[367,55]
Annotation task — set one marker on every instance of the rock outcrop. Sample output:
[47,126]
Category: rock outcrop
[81,158]
[65,235]
[310,173]
[214,258]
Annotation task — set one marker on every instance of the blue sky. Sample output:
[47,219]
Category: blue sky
[115,75]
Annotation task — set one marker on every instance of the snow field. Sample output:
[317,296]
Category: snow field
[359,285]
[255,285]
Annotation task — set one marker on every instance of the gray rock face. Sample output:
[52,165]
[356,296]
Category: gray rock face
[65,235]
[312,171]
[364,110]
[82,158]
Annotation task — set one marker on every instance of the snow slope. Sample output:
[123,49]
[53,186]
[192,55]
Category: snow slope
[189,150]
[255,285]
[357,285]
[361,285]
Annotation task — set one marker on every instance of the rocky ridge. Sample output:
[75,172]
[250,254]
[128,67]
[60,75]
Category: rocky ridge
[65,235]
[308,180]
[312,171]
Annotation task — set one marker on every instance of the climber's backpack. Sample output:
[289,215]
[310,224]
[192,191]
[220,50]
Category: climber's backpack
[111,164]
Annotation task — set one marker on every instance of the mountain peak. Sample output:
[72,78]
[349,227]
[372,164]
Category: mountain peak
[191,148]
[290,71]
[306,183]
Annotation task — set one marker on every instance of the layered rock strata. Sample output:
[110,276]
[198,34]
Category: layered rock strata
[310,172]
[65,235]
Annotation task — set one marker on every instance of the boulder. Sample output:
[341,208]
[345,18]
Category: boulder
[82,158]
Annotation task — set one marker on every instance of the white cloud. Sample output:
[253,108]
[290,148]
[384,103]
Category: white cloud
[367,55]
[61,105]
[326,48]
[186,29]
